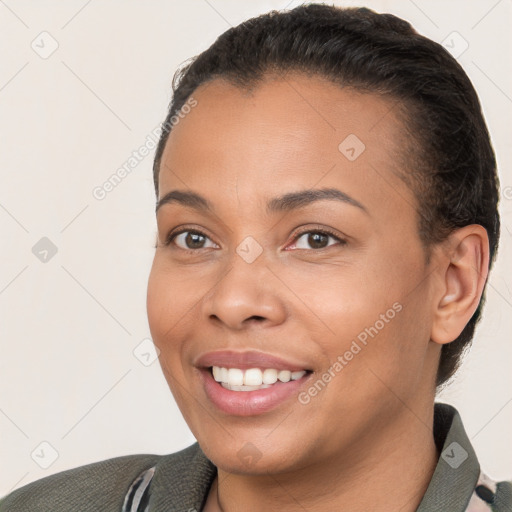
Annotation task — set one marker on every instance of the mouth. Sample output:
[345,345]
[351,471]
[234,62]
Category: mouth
[252,379]
[250,383]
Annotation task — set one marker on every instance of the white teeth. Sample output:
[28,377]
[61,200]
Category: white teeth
[284,375]
[236,379]
[243,388]
[269,376]
[298,375]
[253,377]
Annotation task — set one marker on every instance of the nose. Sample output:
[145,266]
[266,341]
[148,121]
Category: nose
[247,294]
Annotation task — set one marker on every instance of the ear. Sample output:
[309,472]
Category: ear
[464,265]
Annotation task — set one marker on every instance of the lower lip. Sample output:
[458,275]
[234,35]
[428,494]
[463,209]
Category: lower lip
[250,403]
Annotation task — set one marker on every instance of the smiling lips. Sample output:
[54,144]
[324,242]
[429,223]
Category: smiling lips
[249,383]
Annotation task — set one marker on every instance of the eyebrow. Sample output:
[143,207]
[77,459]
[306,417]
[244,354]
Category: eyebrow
[284,203]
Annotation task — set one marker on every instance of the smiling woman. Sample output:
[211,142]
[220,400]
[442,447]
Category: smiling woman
[327,218]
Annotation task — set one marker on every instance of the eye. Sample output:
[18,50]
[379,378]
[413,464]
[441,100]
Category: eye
[189,240]
[193,240]
[316,239]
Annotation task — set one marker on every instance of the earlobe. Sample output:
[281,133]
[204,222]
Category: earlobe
[464,264]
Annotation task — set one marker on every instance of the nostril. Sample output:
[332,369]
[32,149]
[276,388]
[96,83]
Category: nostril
[256,317]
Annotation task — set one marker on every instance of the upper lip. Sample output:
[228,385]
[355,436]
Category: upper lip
[247,359]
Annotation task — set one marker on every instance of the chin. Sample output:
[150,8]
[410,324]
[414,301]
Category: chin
[252,455]
[253,463]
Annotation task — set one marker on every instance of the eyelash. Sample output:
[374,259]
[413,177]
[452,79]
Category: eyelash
[324,231]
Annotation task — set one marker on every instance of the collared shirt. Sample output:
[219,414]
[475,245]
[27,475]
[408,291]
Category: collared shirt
[457,484]
[180,482]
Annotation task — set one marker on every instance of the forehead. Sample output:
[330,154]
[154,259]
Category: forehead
[291,133]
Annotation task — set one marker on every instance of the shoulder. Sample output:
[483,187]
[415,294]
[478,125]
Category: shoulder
[110,485]
[98,486]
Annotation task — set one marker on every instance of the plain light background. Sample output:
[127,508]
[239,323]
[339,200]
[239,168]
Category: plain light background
[76,385]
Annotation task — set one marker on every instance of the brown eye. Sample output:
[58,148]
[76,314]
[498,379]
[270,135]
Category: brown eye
[190,240]
[316,240]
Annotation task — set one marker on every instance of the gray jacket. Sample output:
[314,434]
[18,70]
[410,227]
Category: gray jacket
[180,482]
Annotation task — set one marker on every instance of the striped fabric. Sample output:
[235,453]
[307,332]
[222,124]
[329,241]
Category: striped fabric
[137,497]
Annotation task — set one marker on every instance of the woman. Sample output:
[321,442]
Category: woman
[327,218]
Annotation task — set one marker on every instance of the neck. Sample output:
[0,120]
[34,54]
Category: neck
[390,467]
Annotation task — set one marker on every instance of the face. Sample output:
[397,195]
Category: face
[306,265]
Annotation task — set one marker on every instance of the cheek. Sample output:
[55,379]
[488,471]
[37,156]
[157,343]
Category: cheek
[167,306]
[390,325]
[157,303]
[371,312]
[344,299]
[171,296]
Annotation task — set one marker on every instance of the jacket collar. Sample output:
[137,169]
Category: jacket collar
[182,480]
[457,470]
